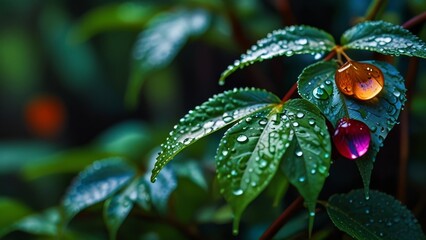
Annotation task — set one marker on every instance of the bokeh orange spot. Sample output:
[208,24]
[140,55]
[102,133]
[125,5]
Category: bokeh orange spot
[45,116]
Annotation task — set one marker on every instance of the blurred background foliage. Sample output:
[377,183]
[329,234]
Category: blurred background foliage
[82,81]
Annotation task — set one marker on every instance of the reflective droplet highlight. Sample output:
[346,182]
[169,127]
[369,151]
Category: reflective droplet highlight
[242,138]
[360,80]
[351,138]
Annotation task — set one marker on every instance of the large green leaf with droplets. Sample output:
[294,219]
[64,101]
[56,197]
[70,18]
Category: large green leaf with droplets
[96,183]
[219,111]
[248,157]
[307,159]
[385,38]
[161,41]
[284,42]
[250,152]
[316,84]
[380,217]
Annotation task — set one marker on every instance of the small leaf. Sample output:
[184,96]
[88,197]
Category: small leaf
[307,159]
[11,211]
[192,170]
[380,217]
[317,85]
[118,207]
[159,44]
[221,110]
[96,183]
[248,157]
[385,38]
[119,16]
[161,190]
[285,42]
[45,223]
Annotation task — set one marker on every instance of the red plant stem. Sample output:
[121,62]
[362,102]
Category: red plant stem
[378,4]
[289,93]
[404,129]
[421,18]
[413,66]
[282,219]
[284,8]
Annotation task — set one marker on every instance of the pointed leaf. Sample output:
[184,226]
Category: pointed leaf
[307,159]
[159,44]
[285,42]
[129,15]
[220,111]
[118,207]
[44,223]
[96,183]
[380,217]
[161,190]
[385,38]
[317,85]
[248,157]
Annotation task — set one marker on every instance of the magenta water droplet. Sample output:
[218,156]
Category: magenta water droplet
[351,138]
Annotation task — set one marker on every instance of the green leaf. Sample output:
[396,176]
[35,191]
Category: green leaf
[285,42]
[250,152]
[160,191]
[129,15]
[45,223]
[11,211]
[307,159]
[192,170]
[385,38]
[316,84]
[161,41]
[380,217]
[96,183]
[248,157]
[219,111]
[118,207]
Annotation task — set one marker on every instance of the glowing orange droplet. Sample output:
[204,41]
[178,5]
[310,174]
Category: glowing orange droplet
[360,80]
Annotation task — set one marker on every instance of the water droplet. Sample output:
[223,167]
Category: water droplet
[227,119]
[263,163]
[187,141]
[224,152]
[234,173]
[295,124]
[302,41]
[242,138]
[238,192]
[263,122]
[313,171]
[301,179]
[311,122]
[312,214]
[322,169]
[299,153]
[351,138]
[319,93]
[360,80]
[208,124]
[300,115]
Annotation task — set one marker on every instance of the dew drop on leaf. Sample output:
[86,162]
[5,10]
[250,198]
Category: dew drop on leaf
[351,138]
[238,192]
[319,93]
[299,153]
[300,115]
[242,138]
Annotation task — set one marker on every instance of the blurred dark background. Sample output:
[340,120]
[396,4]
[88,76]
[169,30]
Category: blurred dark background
[63,86]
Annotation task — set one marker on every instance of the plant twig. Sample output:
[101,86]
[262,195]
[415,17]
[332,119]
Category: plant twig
[282,219]
[405,127]
[421,18]
[374,9]
[413,66]
[284,8]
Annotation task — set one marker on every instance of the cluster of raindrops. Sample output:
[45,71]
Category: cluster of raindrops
[380,214]
[397,41]
[247,153]
[89,188]
[285,42]
[311,143]
[218,112]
